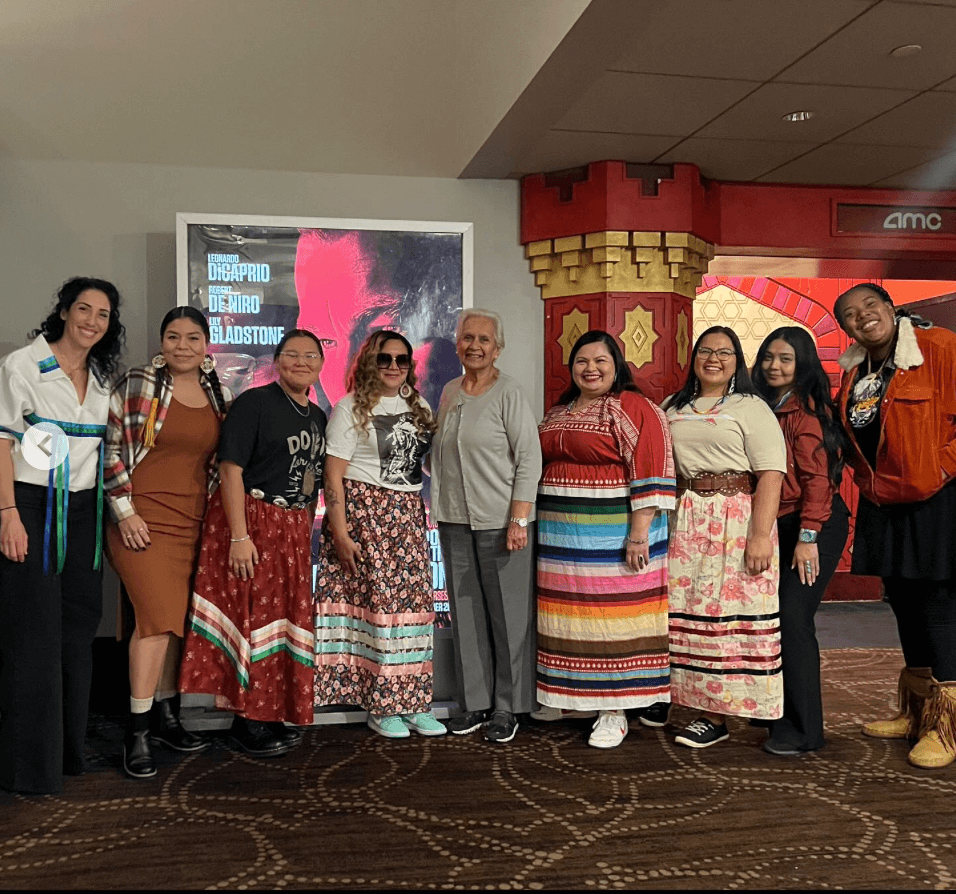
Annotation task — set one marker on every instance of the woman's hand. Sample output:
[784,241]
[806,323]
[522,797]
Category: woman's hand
[13,536]
[806,559]
[638,555]
[348,553]
[135,533]
[758,555]
[517,537]
[243,558]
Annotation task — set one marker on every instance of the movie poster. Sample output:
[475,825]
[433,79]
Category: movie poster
[255,278]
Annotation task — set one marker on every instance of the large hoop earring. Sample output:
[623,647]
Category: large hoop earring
[732,385]
[208,364]
[158,362]
[405,391]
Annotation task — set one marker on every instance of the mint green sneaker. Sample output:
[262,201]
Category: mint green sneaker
[390,726]
[424,724]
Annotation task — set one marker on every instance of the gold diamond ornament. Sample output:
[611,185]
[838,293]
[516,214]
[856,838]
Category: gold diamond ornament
[574,324]
[639,336]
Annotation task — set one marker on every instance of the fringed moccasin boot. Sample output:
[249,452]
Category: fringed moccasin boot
[915,688]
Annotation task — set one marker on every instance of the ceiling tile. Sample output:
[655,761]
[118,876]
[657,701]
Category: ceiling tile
[713,43]
[848,165]
[619,102]
[859,54]
[940,173]
[734,159]
[836,110]
[926,120]
[563,149]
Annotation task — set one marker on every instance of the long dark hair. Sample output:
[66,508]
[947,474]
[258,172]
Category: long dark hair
[106,352]
[623,380]
[691,386]
[811,387]
[163,378]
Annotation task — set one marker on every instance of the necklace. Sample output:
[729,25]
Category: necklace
[69,373]
[713,410]
[295,404]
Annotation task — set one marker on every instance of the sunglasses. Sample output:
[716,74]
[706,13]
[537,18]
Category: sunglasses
[384,360]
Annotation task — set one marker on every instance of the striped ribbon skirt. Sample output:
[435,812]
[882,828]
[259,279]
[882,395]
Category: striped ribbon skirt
[374,629]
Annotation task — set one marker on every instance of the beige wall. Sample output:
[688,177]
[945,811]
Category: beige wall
[117,221]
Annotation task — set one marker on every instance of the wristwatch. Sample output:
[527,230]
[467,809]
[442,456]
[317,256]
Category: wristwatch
[520,522]
[808,536]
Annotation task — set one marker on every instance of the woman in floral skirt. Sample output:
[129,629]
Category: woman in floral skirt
[374,605]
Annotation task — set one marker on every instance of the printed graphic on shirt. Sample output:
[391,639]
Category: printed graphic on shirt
[400,449]
[307,450]
[865,400]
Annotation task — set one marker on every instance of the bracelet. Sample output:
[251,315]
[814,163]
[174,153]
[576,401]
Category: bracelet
[247,537]
[5,508]
[637,541]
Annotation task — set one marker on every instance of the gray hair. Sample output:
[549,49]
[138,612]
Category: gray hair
[469,312]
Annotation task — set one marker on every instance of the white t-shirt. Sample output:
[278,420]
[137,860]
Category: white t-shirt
[388,453]
[34,389]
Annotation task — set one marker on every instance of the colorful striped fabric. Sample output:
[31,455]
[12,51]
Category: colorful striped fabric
[602,629]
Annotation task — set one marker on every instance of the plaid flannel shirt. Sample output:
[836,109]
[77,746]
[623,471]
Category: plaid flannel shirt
[129,409]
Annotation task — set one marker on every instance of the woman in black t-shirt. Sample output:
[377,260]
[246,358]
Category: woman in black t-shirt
[251,638]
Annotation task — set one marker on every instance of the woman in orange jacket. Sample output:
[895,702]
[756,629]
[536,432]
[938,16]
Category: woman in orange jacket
[898,401]
[812,523]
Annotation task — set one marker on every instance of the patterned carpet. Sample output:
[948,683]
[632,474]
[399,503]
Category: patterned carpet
[351,810]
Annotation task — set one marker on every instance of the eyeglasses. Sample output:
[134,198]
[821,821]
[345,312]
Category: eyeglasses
[721,354]
[295,356]
[384,360]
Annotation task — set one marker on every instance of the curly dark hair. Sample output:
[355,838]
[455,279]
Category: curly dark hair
[105,354]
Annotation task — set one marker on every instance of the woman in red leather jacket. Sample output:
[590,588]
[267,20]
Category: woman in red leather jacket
[898,401]
[812,523]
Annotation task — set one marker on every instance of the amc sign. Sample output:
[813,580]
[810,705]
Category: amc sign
[893,220]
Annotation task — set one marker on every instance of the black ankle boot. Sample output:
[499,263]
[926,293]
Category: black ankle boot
[255,738]
[166,729]
[291,735]
[137,757]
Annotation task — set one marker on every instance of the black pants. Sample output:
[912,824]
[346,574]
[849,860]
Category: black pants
[926,618]
[802,723]
[47,626]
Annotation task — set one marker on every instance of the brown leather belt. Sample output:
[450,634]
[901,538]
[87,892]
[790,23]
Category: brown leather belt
[728,483]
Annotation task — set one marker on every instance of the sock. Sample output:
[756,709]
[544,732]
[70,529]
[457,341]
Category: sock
[140,705]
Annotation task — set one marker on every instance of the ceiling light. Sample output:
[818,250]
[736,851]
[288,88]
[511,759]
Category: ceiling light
[911,49]
[805,115]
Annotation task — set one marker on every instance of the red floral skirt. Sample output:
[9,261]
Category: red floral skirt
[251,642]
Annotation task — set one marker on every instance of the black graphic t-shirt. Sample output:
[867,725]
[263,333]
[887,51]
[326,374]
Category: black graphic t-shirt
[388,453]
[281,452]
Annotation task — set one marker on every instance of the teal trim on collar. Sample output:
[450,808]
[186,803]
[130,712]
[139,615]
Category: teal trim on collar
[48,365]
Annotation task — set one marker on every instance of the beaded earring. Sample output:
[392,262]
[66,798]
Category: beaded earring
[208,364]
[158,362]
[405,391]
[732,385]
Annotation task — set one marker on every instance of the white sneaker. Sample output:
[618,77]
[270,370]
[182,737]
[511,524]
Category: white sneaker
[609,730]
[549,714]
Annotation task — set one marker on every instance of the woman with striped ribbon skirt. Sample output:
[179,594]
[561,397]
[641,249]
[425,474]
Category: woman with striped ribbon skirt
[723,567]
[249,640]
[602,576]
[374,608]
[54,400]
[160,467]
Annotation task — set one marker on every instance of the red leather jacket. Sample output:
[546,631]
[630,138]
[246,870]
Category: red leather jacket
[806,487]
[917,449]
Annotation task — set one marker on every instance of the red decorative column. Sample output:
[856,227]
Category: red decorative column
[622,248]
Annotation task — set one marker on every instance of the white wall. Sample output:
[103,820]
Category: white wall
[117,221]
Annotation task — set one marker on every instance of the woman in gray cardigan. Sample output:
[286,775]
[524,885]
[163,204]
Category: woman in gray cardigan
[486,462]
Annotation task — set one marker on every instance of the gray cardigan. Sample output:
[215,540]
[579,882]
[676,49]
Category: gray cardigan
[499,448]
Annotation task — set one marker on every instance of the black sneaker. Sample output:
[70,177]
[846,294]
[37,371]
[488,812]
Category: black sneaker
[702,733]
[502,727]
[255,738]
[781,749]
[466,723]
[654,716]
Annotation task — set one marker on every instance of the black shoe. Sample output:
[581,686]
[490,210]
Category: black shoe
[763,724]
[466,723]
[166,729]
[702,733]
[781,749]
[137,758]
[255,738]
[502,727]
[654,716]
[290,735]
